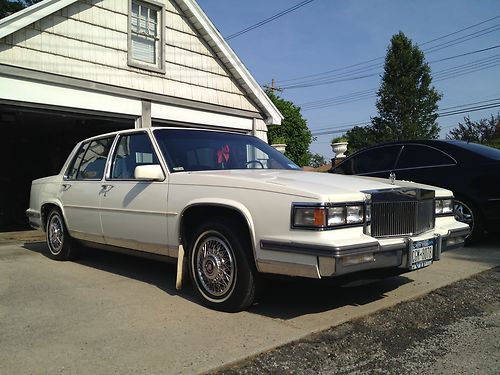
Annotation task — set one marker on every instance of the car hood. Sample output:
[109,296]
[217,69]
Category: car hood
[325,187]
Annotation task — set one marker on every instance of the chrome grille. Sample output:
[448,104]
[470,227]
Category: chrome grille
[402,212]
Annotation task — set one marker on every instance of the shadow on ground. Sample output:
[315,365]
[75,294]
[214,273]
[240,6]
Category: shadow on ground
[281,298]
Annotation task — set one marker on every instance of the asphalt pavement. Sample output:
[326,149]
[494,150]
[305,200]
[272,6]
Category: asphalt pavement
[111,313]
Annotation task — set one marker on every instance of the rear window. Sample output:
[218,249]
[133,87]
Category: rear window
[482,150]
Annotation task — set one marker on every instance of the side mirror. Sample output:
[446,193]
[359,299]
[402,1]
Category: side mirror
[152,172]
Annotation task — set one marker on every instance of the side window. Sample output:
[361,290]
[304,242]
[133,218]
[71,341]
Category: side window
[132,150]
[145,35]
[94,160]
[376,160]
[414,156]
[72,171]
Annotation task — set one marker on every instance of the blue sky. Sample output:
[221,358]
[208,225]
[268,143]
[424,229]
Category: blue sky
[329,34]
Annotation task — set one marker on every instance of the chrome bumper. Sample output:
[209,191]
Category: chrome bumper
[335,261]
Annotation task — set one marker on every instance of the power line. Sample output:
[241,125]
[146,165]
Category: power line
[445,112]
[429,50]
[442,75]
[267,20]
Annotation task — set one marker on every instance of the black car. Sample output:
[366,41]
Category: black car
[470,170]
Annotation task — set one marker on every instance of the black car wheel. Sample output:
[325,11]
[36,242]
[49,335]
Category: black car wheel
[220,267]
[467,213]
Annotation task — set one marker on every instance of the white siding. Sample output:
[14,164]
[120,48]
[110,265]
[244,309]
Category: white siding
[88,40]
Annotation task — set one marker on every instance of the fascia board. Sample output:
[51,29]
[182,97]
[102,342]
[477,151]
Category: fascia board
[215,39]
[27,16]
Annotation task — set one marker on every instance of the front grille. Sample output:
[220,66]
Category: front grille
[401,212]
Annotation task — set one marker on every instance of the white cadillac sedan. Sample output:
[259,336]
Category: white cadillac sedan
[228,208]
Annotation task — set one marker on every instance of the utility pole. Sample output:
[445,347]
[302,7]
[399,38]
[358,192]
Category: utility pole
[273,87]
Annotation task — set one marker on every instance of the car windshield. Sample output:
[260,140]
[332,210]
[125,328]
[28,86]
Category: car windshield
[198,150]
[485,151]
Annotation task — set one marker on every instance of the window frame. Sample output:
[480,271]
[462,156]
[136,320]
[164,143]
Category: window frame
[423,146]
[159,66]
[114,150]
[85,145]
[376,148]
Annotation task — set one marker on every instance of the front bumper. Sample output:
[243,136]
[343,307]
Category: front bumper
[342,260]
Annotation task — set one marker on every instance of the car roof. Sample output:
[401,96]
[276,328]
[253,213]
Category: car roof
[134,130]
[455,148]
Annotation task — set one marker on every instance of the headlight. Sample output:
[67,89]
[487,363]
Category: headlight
[314,217]
[444,207]
[327,216]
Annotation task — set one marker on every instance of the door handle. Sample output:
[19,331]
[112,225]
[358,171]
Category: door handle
[106,188]
[65,186]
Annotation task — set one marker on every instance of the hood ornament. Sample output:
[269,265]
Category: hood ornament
[392,178]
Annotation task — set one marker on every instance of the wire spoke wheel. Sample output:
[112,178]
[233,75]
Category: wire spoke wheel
[215,266]
[55,234]
[464,214]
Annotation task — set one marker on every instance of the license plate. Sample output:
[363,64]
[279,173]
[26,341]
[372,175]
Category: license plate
[421,254]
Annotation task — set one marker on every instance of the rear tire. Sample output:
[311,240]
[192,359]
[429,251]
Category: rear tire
[220,266]
[61,245]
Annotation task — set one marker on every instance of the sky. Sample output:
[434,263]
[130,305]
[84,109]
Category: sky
[329,35]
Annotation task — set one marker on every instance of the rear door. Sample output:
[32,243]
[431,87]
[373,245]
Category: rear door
[81,189]
[427,165]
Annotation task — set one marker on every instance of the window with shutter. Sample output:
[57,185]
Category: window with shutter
[146,35]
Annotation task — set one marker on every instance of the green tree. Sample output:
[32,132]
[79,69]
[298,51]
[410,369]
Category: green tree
[407,103]
[360,137]
[7,7]
[485,131]
[316,160]
[293,131]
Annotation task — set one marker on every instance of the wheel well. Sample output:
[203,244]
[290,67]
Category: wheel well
[44,212]
[196,215]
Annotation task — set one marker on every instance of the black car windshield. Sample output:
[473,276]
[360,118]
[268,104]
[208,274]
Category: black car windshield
[484,151]
[198,150]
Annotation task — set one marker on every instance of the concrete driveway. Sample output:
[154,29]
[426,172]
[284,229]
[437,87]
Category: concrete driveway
[110,313]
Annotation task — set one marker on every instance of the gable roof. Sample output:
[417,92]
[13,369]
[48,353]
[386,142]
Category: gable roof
[198,19]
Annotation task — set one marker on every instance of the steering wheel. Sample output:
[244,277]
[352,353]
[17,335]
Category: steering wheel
[255,162]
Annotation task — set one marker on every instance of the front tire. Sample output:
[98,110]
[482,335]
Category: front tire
[220,268]
[60,244]
[467,213]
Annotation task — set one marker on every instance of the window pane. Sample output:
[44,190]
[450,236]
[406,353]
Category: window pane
[143,49]
[132,150]
[73,168]
[94,161]
[195,150]
[144,33]
[414,156]
[375,160]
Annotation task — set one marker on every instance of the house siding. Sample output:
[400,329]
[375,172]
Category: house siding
[88,40]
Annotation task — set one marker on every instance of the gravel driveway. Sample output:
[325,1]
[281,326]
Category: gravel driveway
[453,330]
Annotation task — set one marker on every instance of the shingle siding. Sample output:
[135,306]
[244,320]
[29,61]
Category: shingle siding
[88,40]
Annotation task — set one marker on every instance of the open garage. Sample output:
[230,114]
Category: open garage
[35,143]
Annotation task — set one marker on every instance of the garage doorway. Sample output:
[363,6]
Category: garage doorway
[35,143]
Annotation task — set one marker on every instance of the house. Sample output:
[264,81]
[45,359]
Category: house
[70,69]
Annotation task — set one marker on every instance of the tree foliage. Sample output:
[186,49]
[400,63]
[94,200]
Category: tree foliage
[293,131]
[316,160]
[485,131]
[7,7]
[407,103]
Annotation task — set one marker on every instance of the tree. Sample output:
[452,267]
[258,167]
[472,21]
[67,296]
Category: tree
[407,104]
[485,131]
[316,160]
[293,131]
[7,7]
